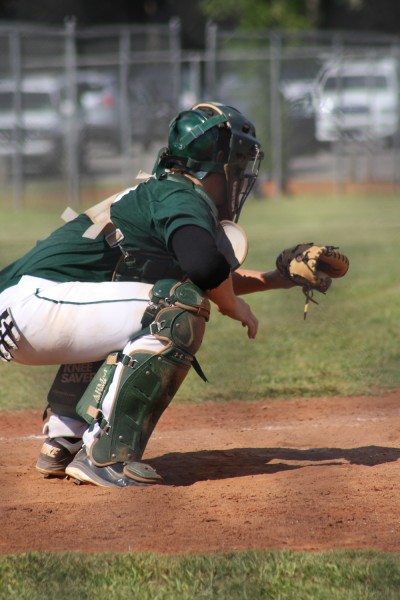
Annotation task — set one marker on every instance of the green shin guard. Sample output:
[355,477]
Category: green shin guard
[147,382]
[145,390]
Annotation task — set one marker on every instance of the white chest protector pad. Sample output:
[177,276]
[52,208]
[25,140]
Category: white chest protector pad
[232,243]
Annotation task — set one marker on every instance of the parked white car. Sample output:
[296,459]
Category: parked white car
[39,133]
[357,100]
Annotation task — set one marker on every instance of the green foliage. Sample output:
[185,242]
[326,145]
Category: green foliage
[227,576]
[258,14]
[349,343]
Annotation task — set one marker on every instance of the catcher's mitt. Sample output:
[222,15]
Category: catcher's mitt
[312,267]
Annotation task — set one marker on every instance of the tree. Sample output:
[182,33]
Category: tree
[262,14]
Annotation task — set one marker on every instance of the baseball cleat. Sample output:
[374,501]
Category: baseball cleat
[82,470]
[56,454]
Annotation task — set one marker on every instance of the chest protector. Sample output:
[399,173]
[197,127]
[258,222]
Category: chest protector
[150,267]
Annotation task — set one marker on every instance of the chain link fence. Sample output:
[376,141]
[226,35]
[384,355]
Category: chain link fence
[79,106]
[326,104]
[88,107]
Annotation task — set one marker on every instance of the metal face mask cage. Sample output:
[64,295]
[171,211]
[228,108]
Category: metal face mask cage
[241,174]
[245,156]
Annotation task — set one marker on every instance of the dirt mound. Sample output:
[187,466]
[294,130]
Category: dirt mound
[301,474]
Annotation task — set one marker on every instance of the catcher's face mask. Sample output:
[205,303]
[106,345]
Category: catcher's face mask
[214,138]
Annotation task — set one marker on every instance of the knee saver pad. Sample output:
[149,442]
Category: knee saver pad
[69,385]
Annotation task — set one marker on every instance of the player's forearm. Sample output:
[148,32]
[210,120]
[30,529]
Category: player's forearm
[247,281]
[234,307]
[223,296]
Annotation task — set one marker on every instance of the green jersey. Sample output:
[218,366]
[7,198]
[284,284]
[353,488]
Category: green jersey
[147,216]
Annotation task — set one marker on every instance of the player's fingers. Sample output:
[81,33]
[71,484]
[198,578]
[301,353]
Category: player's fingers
[252,327]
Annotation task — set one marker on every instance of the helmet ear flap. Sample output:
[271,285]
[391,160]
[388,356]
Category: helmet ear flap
[224,140]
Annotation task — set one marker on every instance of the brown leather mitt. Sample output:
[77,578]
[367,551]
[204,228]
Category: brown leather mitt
[312,267]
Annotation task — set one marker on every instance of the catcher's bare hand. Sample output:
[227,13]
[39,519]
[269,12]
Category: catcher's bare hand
[232,306]
[239,310]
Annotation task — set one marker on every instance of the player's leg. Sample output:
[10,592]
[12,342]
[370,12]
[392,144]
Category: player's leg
[132,389]
[70,323]
[75,322]
[64,427]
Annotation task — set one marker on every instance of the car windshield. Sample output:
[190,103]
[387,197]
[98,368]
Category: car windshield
[351,82]
[32,101]
[36,101]
[6,101]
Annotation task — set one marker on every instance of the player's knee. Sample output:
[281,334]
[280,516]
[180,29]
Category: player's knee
[178,313]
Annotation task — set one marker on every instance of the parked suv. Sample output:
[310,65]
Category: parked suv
[40,134]
[148,112]
[357,99]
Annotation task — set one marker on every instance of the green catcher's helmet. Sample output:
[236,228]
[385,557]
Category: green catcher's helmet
[214,138]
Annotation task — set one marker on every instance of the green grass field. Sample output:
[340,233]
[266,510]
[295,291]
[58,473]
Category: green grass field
[348,345]
[229,576]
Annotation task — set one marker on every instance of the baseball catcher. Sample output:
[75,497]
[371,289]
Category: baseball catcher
[121,294]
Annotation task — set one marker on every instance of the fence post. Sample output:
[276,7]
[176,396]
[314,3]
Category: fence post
[71,134]
[211,59]
[396,138]
[193,94]
[125,121]
[17,158]
[338,53]
[175,47]
[276,114]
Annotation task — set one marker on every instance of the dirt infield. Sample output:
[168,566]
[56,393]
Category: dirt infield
[301,474]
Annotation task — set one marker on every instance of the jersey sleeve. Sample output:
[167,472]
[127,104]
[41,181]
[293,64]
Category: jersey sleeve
[199,257]
[181,208]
